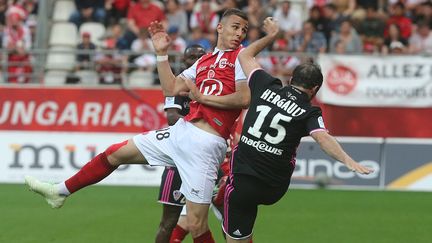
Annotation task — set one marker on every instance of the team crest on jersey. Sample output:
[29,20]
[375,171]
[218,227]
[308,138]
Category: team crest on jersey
[210,74]
[176,195]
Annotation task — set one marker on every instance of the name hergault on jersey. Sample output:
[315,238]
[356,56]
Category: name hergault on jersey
[277,119]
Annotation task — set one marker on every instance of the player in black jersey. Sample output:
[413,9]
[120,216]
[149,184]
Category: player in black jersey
[278,117]
[169,193]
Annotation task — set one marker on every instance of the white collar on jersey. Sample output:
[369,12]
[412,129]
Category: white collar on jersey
[216,50]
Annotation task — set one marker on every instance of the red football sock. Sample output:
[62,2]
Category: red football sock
[94,171]
[178,234]
[204,238]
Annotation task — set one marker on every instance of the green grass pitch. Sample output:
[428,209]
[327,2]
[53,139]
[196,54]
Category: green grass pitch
[130,214]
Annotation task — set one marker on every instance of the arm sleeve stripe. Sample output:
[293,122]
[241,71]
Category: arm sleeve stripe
[318,130]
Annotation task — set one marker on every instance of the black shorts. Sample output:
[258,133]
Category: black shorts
[169,190]
[242,196]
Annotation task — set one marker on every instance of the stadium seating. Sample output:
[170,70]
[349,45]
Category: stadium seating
[55,77]
[63,34]
[87,77]
[63,10]
[56,60]
[96,30]
[141,79]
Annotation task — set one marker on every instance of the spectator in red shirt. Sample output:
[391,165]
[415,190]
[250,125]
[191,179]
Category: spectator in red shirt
[17,41]
[399,18]
[116,9]
[206,19]
[139,16]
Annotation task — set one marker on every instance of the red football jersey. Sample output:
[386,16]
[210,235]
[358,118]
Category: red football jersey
[216,74]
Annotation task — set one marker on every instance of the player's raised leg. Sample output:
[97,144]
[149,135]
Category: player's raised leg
[94,171]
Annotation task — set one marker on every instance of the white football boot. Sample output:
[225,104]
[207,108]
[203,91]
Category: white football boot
[47,190]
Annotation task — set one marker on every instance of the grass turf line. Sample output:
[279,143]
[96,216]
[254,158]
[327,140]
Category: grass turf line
[130,214]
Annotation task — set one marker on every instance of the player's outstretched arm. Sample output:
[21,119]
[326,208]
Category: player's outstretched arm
[247,56]
[240,99]
[171,85]
[329,145]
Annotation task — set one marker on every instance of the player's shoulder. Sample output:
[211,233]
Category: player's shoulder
[262,76]
[239,49]
[205,59]
[312,110]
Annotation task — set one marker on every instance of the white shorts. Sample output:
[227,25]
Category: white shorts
[195,152]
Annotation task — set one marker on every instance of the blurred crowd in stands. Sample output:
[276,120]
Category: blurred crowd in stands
[327,26]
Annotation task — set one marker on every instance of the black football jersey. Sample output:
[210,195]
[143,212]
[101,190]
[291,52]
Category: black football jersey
[278,117]
[178,102]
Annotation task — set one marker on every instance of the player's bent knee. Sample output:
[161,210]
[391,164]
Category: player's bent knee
[197,227]
[124,153]
[115,147]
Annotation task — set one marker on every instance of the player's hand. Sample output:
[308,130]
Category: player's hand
[160,38]
[194,93]
[356,167]
[270,27]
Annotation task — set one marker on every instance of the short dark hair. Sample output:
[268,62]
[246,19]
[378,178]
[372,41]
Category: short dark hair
[423,23]
[399,5]
[192,47]
[234,11]
[331,6]
[307,75]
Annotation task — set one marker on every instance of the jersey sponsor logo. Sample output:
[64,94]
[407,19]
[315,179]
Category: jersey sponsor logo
[211,87]
[261,146]
[201,69]
[224,62]
[341,80]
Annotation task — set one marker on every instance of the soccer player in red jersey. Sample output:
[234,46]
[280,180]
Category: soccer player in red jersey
[217,85]
[195,144]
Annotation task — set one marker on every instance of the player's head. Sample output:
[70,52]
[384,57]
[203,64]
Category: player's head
[309,77]
[192,53]
[232,29]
